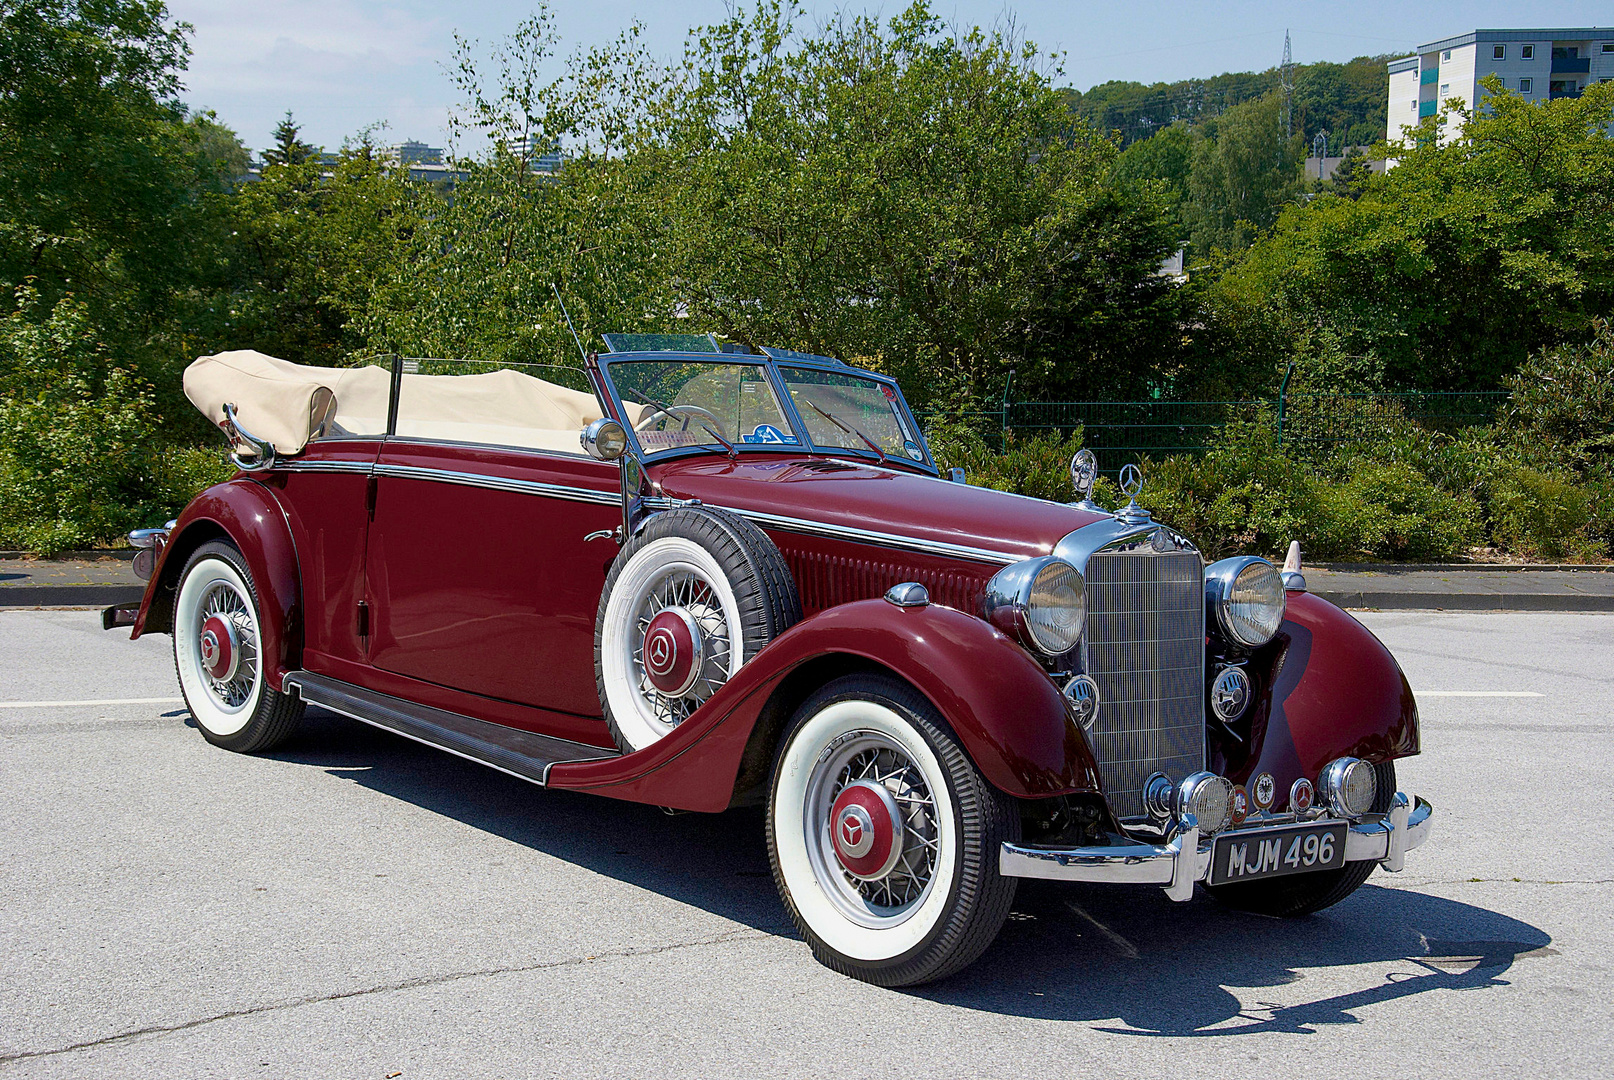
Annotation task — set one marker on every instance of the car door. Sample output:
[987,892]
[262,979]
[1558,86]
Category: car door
[480,576]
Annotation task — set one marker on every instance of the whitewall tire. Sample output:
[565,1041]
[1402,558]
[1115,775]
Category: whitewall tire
[884,837]
[218,654]
[694,595]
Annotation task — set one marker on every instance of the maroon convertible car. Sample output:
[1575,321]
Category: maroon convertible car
[700,578]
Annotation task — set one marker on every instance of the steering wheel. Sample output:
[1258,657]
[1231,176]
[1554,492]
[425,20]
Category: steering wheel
[673,412]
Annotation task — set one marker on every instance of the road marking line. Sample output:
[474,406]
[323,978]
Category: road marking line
[1476,693]
[97,701]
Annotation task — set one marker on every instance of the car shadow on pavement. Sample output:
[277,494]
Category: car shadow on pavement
[1094,954]
[1101,954]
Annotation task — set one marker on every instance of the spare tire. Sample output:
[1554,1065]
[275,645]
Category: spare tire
[695,594]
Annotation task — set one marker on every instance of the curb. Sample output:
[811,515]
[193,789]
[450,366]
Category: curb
[1413,601]
[96,555]
[69,595]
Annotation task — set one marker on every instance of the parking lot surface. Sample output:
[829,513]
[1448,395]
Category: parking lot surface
[356,905]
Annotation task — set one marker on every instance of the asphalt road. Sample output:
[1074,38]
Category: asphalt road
[360,906]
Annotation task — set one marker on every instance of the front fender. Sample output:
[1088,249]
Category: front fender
[247,514]
[1329,689]
[1007,714]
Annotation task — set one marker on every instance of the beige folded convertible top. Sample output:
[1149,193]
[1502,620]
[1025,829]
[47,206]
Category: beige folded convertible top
[276,400]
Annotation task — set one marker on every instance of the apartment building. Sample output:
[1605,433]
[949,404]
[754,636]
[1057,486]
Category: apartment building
[1536,64]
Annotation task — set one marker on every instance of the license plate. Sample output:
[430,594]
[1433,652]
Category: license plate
[1269,853]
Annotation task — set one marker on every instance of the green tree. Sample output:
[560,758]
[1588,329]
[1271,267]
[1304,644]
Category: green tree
[907,196]
[313,245]
[1475,250]
[480,277]
[288,148]
[1166,158]
[103,181]
[1244,172]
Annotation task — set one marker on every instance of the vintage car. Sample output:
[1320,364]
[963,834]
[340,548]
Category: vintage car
[715,578]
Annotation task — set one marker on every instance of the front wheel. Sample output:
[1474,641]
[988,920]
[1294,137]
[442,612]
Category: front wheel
[218,655]
[884,837]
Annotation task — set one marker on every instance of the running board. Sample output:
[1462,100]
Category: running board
[520,753]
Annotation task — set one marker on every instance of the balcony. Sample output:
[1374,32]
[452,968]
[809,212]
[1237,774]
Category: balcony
[1571,65]
[1426,108]
[1428,75]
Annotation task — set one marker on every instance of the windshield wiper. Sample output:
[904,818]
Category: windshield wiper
[846,428]
[733,453]
[667,410]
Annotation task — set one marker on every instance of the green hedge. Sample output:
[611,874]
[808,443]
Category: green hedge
[1538,485]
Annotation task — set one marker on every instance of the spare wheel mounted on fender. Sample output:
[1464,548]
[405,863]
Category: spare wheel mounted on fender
[695,594]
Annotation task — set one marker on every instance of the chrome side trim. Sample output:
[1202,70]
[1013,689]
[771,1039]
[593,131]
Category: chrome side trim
[500,483]
[868,536]
[360,467]
[1125,861]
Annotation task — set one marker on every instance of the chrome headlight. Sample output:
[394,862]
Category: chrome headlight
[1041,603]
[1245,597]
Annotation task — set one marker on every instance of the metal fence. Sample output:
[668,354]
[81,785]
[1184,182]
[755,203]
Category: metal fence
[1123,431]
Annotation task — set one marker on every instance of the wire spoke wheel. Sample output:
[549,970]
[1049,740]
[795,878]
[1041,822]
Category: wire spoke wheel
[690,598]
[685,590]
[224,602]
[219,654]
[872,758]
[883,835]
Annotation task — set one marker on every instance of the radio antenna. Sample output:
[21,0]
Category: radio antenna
[569,326]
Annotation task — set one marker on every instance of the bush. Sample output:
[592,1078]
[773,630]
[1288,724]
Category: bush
[81,461]
[1543,515]
[1560,410]
[1247,495]
[1038,466]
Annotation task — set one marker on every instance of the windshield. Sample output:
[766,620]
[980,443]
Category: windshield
[690,403]
[844,410]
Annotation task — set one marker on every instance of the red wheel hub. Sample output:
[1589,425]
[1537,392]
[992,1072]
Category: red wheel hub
[866,828]
[219,648]
[672,651]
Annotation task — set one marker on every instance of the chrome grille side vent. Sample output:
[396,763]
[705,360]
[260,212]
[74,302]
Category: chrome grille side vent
[1145,647]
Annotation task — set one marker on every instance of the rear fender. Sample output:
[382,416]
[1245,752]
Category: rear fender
[248,515]
[1008,715]
[1328,689]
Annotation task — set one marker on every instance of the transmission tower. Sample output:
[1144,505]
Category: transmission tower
[1286,78]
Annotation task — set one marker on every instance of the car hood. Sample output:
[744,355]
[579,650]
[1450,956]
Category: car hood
[849,496]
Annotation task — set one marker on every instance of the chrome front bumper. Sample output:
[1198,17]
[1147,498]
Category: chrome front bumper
[1177,866]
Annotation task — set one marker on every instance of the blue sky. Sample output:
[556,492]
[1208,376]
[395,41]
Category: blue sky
[342,64]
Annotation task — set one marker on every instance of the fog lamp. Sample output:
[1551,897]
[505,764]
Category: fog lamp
[1349,786]
[1209,798]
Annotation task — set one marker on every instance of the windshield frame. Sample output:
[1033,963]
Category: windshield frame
[782,396]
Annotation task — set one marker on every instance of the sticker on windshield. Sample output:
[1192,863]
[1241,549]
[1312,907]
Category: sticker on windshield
[890,394]
[768,435]
[913,451]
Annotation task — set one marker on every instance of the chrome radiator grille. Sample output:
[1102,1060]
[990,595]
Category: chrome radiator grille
[1145,643]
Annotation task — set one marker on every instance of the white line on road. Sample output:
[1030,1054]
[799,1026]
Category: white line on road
[1476,693]
[97,701]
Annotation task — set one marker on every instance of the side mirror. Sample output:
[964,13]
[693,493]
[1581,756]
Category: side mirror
[604,439]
